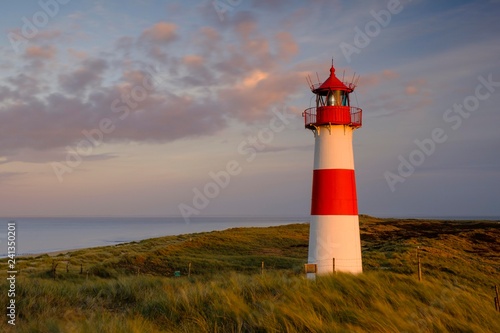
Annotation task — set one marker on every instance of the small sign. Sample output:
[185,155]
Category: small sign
[177,273]
[310,268]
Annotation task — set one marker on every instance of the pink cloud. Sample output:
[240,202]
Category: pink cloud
[192,60]
[238,78]
[40,52]
[415,86]
[153,40]
[210,33]
[161,32]
[253,103]
[80,55]
[376,79]
[287,47]
[246,26]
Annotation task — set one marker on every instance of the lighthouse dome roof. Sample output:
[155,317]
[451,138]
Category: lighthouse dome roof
[332,83]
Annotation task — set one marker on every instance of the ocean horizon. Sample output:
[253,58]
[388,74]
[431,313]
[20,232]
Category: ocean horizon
[38,235]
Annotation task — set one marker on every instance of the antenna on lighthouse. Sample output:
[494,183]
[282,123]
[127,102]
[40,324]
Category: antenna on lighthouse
[356,81]
[309,82]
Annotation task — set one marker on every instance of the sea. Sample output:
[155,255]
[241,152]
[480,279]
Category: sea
[38,235]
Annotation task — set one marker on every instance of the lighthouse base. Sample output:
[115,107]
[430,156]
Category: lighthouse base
[334,244]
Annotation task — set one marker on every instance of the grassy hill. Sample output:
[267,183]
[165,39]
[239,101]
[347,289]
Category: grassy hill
[132,288]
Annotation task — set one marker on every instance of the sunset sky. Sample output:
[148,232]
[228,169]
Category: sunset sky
[132,108]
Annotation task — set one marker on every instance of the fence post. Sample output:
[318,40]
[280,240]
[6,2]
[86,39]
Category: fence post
[54,269]
[334,268]
[262,268]
[189,269]
[419,270]
[497,299]
[419,265]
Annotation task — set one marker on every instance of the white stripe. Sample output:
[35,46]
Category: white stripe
[335,236]
[333,148]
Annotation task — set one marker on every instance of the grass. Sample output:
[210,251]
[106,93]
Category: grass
[131,288]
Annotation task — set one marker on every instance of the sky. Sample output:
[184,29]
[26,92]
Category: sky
[193,108]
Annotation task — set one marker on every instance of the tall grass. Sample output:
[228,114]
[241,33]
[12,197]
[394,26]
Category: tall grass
[227,293]
[273,302]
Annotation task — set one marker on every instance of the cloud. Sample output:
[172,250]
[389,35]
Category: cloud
[415,86]
[57,120]
[161,32]
[287,47]
[377,79]
[37,56]
[40,52]
[80,55]
[193,60]
[208,40]
[89,73]
[253,104]
[25,86]
[239,75]
[251,80]
[154,40]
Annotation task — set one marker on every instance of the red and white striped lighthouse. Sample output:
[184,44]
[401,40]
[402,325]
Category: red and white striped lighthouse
[334,241]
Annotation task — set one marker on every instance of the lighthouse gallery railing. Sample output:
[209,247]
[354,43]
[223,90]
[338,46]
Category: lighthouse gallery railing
[334,115]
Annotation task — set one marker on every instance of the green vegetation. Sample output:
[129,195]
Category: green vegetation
[132,288]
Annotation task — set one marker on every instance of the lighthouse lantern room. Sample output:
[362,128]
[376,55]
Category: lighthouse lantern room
[334,241]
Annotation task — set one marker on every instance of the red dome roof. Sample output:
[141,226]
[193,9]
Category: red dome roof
[332,83]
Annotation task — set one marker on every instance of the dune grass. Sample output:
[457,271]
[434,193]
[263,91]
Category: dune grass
[132,288]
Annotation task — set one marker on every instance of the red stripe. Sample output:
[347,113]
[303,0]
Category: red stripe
[334,192]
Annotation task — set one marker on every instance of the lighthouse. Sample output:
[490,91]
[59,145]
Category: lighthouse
[334,241]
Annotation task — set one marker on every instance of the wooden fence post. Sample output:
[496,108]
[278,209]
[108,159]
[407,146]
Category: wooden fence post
[262,268]
[189,269]
[419,270]
[497,299]
[54,268]
[419,264]
[334,268]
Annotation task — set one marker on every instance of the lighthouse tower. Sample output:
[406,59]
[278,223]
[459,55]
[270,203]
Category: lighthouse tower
[334,242]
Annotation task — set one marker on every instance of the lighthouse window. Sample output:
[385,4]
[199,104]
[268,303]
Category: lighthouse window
[345,100]
[330,99]
[335,97]
[320,100]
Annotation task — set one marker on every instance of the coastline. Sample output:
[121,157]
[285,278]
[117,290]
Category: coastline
[93,235]
[37,236]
